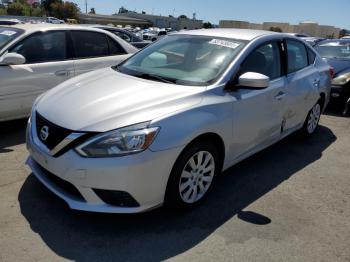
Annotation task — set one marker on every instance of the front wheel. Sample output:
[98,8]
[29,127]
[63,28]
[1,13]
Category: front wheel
[312,120]
[193,175]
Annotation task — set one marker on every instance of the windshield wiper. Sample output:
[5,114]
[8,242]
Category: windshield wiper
[158,78]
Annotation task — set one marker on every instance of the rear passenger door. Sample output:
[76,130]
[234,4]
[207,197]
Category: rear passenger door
[303,82]
[95,50]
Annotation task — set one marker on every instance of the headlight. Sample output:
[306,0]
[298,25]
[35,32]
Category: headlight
[124,141]
[341,80]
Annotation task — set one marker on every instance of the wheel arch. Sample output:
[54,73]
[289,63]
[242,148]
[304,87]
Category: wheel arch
[322,100]
[213,138]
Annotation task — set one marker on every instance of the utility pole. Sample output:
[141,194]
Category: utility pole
[86,4]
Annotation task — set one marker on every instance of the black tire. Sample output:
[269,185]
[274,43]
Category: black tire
[173,198]
[306,131]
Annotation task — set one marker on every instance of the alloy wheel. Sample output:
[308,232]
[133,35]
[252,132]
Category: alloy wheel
[314,118]
[196,177]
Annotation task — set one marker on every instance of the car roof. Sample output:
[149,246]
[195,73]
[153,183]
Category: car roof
[46,26]
[243,34]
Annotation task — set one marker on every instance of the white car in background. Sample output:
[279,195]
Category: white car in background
[154,35]
[35,58]
[54,20]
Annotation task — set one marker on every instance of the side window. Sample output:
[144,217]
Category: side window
[297,56]
[115,48]
[123,36]
[89,44]
[311,56]
[265,60]
[43,47]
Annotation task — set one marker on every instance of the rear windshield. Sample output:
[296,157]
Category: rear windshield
[334,50]
[7,34]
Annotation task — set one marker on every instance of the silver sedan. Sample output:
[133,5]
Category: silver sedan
[161,126]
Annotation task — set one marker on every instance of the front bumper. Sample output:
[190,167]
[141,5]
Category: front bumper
[143,176]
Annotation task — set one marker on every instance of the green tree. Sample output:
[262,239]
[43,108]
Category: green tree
[37,11]
[275,29]
[46,5]
[16,8]
[123,10]
[207,25]
[3,11]
[64,10]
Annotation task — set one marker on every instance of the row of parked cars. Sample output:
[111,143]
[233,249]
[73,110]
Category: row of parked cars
[156,126]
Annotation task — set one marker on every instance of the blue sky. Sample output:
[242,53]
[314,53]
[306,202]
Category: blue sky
[329,12]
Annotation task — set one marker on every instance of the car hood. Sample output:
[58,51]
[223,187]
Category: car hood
[105,99]
[339,65]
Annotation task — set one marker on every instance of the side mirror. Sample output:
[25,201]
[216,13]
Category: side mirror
[251,80]
[13,59]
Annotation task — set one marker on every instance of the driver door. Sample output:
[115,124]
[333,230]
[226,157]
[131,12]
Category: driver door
[258,115]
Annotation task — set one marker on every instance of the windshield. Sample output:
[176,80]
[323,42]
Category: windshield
[184,59]
[334,50]
[7,34]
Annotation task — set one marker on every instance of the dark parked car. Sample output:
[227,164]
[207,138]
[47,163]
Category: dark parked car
[126,35]
[337,53]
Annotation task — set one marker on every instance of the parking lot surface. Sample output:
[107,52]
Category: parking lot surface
[290,202]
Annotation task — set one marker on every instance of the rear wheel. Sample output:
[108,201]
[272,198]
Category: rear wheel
[312,120]
[193,175]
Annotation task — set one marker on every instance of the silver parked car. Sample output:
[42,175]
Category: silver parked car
[35,58]
[162,125]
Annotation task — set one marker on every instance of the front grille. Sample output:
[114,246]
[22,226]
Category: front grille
[62,184]
[116,198]
[55,134]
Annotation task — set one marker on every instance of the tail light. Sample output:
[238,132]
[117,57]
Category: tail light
[331,72]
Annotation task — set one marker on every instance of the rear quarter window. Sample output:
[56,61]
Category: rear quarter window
[311,56]
[297,56]
[89,44]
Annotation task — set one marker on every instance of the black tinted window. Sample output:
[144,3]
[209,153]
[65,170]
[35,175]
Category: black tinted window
[115,48]
[297,57]
[264,60]
[43,47]
[311,56]
[90,44]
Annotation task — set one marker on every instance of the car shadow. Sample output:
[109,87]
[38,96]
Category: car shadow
[162,234]
[12,133]
[335,110]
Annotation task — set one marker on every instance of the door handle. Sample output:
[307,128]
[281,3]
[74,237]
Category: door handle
[62,73]
[316,82]
[280,95]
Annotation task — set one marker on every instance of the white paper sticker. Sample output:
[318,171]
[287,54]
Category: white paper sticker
[8,33]
[224,43]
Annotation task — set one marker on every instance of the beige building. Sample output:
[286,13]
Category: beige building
[308,27]
[283,26]
[112,19]
[167,21]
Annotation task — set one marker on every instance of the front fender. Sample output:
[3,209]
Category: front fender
[179,129]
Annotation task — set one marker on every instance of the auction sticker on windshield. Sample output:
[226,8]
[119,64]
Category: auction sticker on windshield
[8,33]
[224,43]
